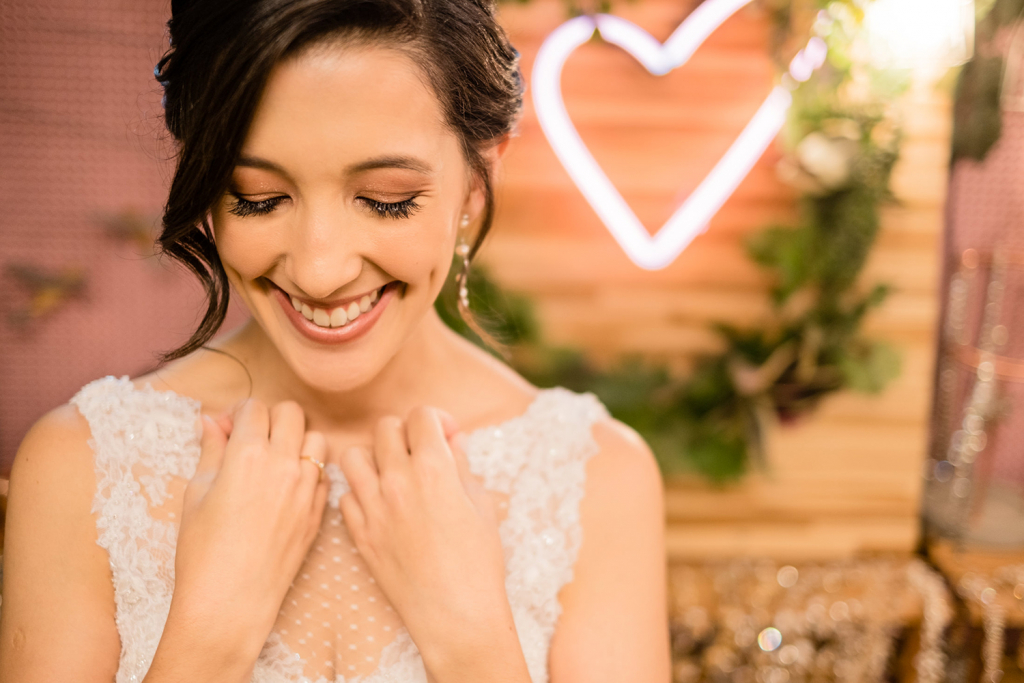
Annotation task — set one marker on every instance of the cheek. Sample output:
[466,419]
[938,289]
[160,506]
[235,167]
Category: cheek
[418,254]
[248,252]
[417,250]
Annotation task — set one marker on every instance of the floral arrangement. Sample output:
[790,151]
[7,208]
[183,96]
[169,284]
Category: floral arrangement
[841,142]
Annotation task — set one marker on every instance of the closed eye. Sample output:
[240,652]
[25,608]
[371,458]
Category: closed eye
[402,209]
[244,207]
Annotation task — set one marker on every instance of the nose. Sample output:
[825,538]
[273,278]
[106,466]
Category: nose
[325,255]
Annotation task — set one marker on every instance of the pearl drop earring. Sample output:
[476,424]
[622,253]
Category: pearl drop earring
[462,249]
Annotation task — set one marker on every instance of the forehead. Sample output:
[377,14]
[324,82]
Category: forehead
[340,103]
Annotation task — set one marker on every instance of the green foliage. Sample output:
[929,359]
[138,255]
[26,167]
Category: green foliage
[844,225]
[786,251]
[842,142]
[868,367]
[506,316]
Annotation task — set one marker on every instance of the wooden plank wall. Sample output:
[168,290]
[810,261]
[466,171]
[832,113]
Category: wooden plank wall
[846,480]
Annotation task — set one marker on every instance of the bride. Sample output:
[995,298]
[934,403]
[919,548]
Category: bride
[342,489]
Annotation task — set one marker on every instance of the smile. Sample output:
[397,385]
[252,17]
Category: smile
[340,315]
[339,323]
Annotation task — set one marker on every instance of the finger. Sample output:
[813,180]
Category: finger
[288,429]
[227,419]
[211,444]
[314,445]
[252,419]
[426,435]
[313,484]
[458,447]
[226,423]
[390,449]
[367,455]
[473,487]
[323,486]
[354,517]
[320,494]
[357,466]
[448,423]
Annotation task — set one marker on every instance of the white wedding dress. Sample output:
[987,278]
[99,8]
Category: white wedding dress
[335,625]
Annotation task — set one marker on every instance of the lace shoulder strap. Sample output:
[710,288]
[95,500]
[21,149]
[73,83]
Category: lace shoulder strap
[156,429]
[539,459]
[145,445]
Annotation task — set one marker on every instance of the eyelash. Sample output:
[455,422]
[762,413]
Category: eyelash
[244,207]
[403,209]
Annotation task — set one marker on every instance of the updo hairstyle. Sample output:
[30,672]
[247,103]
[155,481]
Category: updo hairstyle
[221,55]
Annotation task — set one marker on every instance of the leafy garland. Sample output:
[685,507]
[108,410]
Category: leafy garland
[841,143]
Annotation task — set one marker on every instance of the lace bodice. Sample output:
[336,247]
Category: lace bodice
[335,625]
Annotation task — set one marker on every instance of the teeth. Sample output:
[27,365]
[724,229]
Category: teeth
[341,315]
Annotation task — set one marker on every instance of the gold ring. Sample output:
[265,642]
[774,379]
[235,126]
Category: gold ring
[320,476]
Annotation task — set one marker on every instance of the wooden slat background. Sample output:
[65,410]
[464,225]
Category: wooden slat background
[843,481]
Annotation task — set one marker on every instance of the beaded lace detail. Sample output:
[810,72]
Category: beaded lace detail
[335,625]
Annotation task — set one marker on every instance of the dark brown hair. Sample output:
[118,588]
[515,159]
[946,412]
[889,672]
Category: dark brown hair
[222,53]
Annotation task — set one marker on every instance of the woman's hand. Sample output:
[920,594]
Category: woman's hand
[250,514]
[429,533]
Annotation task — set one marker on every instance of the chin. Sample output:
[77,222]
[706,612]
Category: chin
[345,367]
[344,364]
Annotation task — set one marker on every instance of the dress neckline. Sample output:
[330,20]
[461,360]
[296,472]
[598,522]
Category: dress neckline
[536,457]
[196,405]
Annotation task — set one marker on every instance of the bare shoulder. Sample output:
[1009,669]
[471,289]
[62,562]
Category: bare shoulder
[623,500]
[58,603]
[624,470]
[57,449]
[614,621]
[52,483]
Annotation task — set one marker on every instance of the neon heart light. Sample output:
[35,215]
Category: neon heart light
[692,217]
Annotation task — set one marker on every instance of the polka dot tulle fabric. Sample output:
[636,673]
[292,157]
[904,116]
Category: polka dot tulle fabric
[335,617]
[335,624]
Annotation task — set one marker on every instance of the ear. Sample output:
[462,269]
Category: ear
[498,149]
[492,159]
[493,154]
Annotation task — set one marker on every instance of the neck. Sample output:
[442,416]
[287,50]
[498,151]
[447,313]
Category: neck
[419,374]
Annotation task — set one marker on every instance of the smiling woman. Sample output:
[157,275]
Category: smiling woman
[336,197]
[453,523]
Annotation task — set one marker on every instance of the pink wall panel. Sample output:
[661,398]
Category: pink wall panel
[81,138]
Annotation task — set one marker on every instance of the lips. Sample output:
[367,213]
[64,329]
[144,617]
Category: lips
[352,321]
[340,314]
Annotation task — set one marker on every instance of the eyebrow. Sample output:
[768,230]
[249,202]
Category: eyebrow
[257,162]
[405,162]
